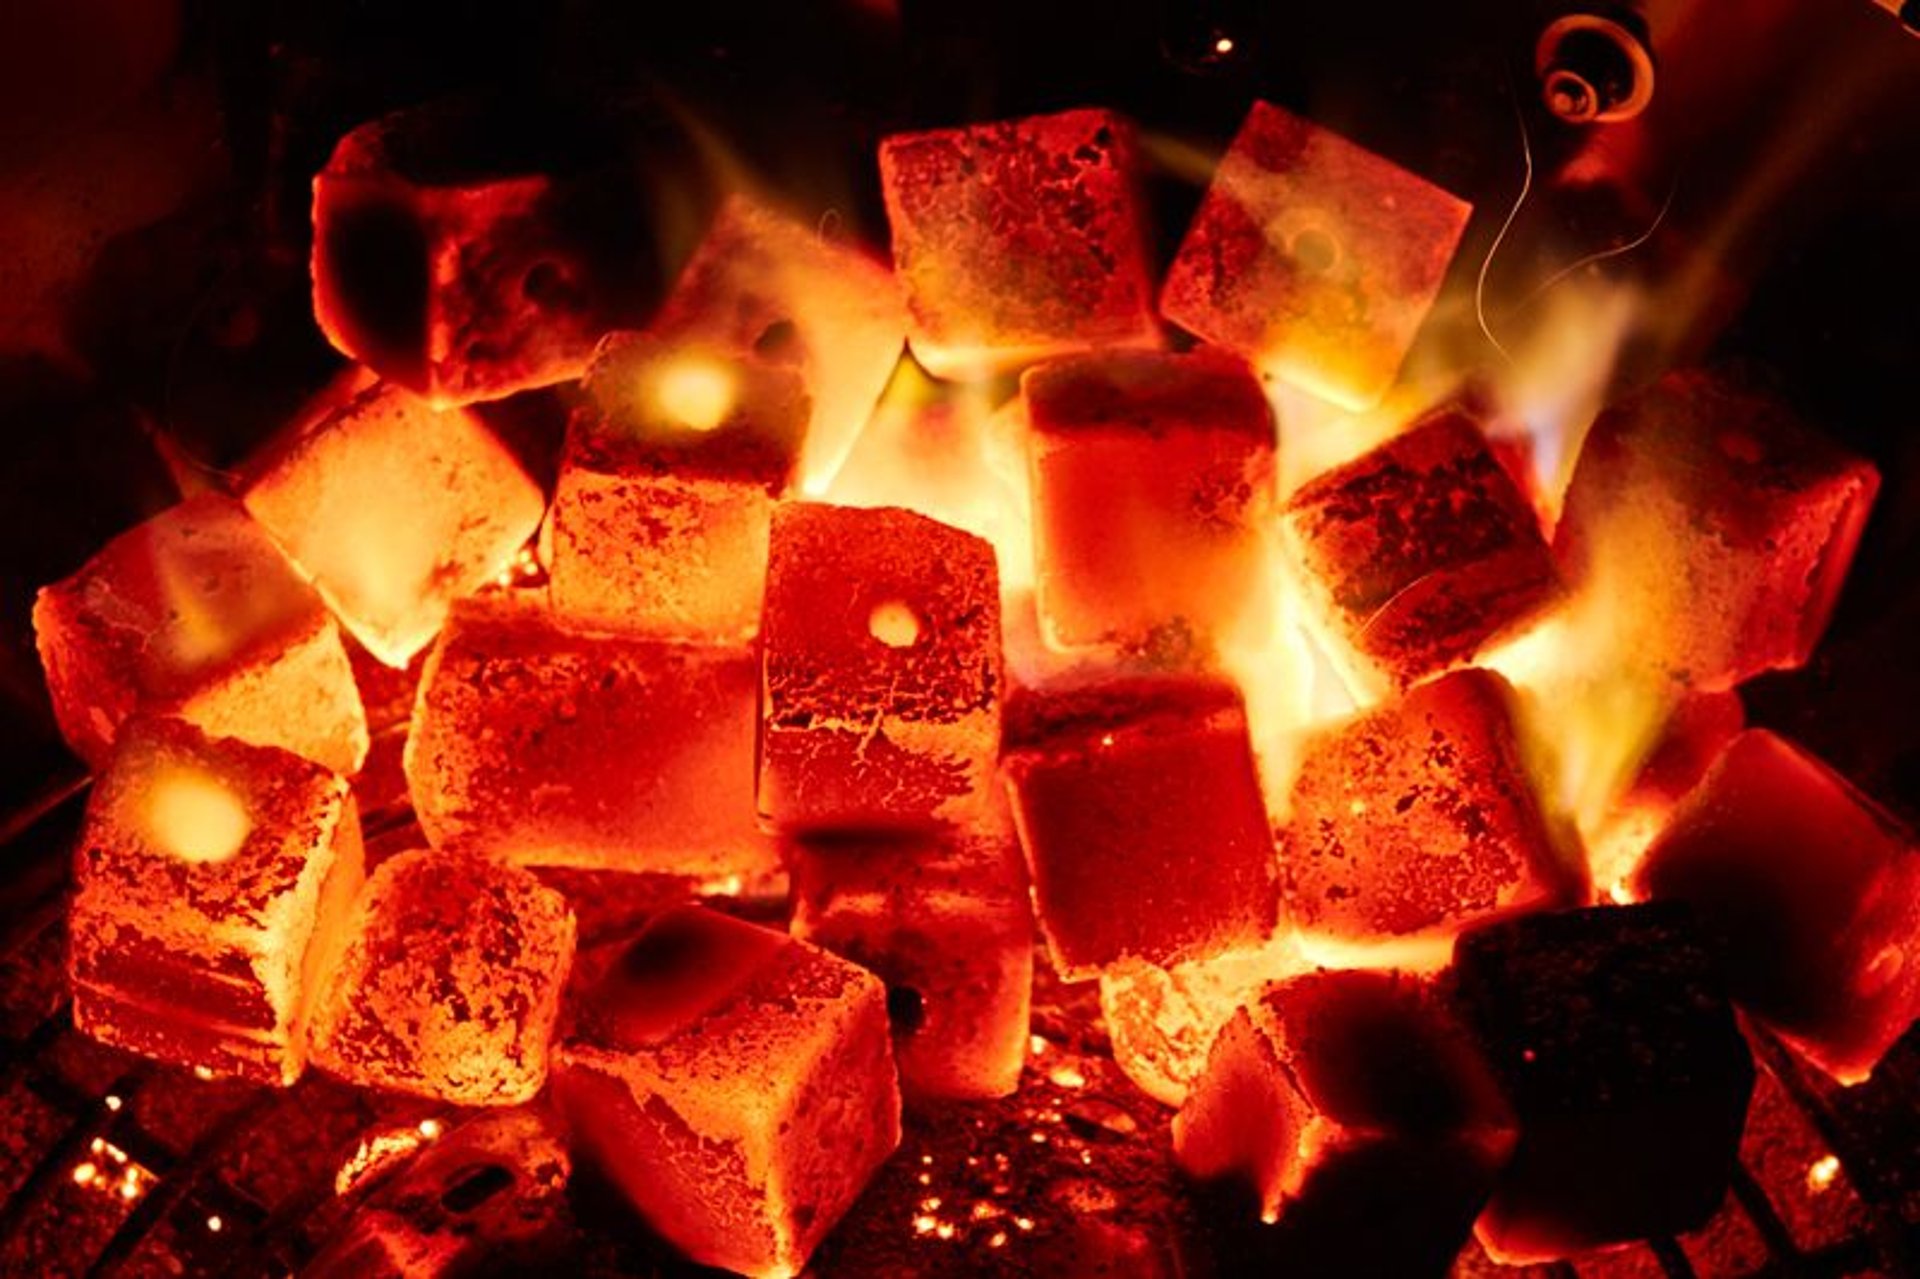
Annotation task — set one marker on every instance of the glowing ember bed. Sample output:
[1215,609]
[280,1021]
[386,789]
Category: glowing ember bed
[1032,737]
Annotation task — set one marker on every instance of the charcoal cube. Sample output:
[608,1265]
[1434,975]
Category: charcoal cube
[1018,240]
[1610,1032]
[212,880]
[466,256]
[1359,1115]
[736,1085]
[881,670]
[1720,525]
[761,282]
[552,746]
[1813,889]
[667,486]
[394,509]
[1313,258]
[1153,491]
[450,981]
[195,613]
[1163,1021]
[1142,821]
[1419,553]
[1417,819]
[945,921]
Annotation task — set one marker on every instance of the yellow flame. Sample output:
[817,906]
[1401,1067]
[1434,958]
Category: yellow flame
[194,816]
[952,451]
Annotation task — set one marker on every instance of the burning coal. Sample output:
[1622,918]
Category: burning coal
[1269,675]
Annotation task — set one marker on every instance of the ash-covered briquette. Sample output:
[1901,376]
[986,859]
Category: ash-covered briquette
[467,253]
[449,982]
[1721,526]
[1417,819]
[1019,240]
[765,284]
[1153,495]
[1359,1115]
[881,671]
[1142,821]
[1313,258]
[196,613]
[211,883]
[667,484]
[1610,1032]
[945,921]
[1812,889]
[394,509]
[551,746]
[1420,552]
[736,1085]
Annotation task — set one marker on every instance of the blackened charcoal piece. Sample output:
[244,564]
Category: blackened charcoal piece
[1611,1034]
[468,250]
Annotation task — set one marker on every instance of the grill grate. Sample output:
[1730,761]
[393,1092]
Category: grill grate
[113,1166]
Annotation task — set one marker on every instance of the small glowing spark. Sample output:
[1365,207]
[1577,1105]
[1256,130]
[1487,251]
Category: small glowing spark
[430,1129]
[924,1225]
[1068,1077]
[84,1173]
[944,1230]
[1024,1223]
[999,1239]
[1223,46]
[1106,739]
[1036,1044]
[930,1204]
[113,1102]
[1821,1174]
[214,1224]
[203,1074]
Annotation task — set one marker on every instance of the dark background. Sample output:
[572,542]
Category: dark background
[155,160]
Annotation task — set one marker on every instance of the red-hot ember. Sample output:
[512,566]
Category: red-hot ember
[1419,553]
[1723,526]
[944,920]
[736,1085]
[1142,821]
[552,746]
[881,663]
[212,881]
[196,614]
[1153,482]
[667,486]
[1417,819]
[1313,258]
[1019,240]
[1814,890]
[449,981]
